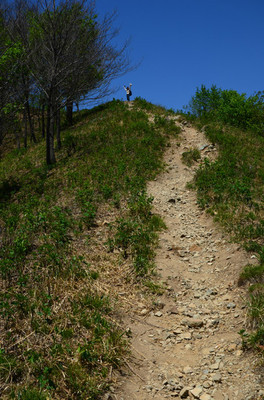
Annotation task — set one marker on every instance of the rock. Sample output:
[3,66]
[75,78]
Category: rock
[213,322]
[219,395]
[158,314]
[196,392]
[186,336]
[232,347]
[214,366]
[211,292]
[195,323]
[231,305]
[216,377]
[173,310]
[177,331]
[184,393]
[187,370]
[205,396]
[107,396]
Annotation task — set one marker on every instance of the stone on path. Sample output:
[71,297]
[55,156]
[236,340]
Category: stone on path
[196,392]
[205,396]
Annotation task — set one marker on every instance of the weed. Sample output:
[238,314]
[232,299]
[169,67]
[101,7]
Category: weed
[191,156]
[154,288]
[32,394]
[251,273]
[136,235]
[11,369]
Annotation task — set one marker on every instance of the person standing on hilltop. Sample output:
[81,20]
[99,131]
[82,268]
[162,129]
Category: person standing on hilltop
[128,91]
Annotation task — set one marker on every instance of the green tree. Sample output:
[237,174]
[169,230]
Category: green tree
[229,107]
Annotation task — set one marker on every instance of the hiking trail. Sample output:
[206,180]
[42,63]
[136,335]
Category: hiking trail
[188,346]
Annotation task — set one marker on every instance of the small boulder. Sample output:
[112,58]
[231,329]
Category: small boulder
[196,392]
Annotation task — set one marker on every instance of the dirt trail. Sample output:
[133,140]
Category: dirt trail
[189,346]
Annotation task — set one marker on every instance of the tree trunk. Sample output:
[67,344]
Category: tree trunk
[69,110]
[50,153]
[58,130]
[25,129]
[39,119]
[31,126]
[1,132]
[17,139]
[43,119]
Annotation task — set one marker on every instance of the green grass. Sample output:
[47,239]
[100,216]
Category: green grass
[231,189]
[191,156]
[60,339]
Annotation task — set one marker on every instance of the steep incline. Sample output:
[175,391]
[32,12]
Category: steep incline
[188,346]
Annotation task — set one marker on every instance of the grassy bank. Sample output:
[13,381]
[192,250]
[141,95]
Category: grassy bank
[231,188]
[59,333]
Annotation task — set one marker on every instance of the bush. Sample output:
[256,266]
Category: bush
[229,107]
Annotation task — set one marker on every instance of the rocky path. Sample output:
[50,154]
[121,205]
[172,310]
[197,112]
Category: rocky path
[188,347]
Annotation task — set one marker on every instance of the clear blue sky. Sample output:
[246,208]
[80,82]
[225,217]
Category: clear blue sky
[186,43]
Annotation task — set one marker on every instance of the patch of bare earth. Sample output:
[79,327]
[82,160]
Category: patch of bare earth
[187,345]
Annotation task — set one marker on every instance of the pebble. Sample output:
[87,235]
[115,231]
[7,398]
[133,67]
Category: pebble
[232,347]
[196,392]
[216,377]
[158,314]
[187,370]
[205,396]
[195,323]
[173,310]
[231,305]
[184,393]
[214,366]
[186,336]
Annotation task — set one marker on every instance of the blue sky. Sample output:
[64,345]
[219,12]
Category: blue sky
[183,44]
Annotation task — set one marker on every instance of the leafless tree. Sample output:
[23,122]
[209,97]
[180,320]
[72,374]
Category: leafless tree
[69,56]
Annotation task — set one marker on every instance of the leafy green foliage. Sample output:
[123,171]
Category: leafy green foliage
[229,107]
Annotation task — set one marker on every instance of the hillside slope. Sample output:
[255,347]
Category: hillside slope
[109,251]
[187,344]
[72,236]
